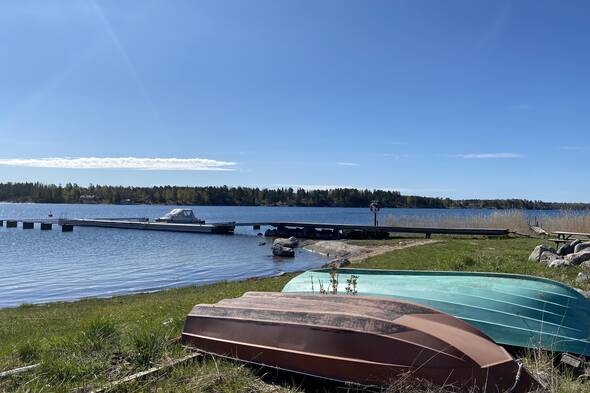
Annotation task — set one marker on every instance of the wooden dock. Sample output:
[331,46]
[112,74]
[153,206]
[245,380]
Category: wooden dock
[305,230]
[314,230]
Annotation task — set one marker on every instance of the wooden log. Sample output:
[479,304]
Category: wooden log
[28,225]
[11,224]
[46,226]
[146,373]
[67,228]
[18,370]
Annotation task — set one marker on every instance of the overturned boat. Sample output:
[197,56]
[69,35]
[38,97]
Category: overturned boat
[364,340]
[515,310]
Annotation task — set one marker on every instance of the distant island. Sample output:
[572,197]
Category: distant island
[248,196]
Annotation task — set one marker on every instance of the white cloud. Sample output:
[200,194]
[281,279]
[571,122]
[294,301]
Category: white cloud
[572,148]
[153,164]
[479,156]
[347,164]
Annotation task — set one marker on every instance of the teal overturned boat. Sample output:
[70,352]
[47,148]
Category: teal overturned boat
[515,310]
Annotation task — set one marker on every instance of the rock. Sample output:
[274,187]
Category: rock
[547,257]
[559,263]
[337,263]
[291,242]
[583,278]
[564,249]
[578,257]
[575,242]
[536,254]
[581,246]
[262,243]
[585,265]
[281,251]
[586,294]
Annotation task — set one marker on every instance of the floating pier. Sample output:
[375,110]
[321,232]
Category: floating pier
[314,230]
[305,230]
[217,228]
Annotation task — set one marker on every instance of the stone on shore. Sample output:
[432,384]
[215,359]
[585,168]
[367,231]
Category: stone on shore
[536,254]
[547,257]
[578,257]
[291,242]
[559,263]
[337,263]
[282,251]
[583,278]
[564,249]
[581,246]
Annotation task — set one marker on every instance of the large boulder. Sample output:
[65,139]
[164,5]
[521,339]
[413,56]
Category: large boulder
[581,246]
[585,265]
[583,278]
[291,242]
[559,263]
[578,257]
[547,257]
[565,248]
[337,263]
[536,254]
[281,251]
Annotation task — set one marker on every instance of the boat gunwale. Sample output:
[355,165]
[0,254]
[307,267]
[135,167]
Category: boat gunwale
[569,289]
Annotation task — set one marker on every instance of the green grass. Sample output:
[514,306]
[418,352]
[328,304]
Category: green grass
[90,342]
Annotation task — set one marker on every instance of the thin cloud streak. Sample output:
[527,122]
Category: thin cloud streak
[133,163]
[483,156]
[347,164]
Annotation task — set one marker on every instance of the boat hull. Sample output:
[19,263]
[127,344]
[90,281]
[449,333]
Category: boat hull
[513,310]
[349,338]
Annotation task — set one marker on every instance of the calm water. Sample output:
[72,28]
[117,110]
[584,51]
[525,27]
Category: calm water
[39,267]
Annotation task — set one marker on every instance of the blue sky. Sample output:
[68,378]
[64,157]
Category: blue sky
[466,99]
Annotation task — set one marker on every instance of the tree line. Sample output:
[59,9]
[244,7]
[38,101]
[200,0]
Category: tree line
[248,196]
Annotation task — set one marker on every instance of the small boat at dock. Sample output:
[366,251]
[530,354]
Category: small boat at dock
[514,310]
[180,216]
[363,340]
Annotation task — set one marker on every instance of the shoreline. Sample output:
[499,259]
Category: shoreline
[333,249]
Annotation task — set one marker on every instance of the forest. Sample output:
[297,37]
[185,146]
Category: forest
[249,196]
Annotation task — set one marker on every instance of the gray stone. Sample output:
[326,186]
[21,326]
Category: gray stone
[337,263]
[581,246]
[281,251]
[583,278]
[291,242]
[547,257]
[583,293]
[536,254]
[585,265]
[559,263]
[578,257]
[575,242]
[564,249]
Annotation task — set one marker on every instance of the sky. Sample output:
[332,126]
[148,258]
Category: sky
[461,99]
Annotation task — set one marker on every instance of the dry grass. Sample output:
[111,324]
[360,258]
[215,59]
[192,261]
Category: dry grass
[516,220]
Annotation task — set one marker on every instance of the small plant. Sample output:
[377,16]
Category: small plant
[334,281]
[351,285]
[149,345]
[100,334]
[28,351]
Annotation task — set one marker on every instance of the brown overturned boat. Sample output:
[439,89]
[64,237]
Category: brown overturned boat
[370,341]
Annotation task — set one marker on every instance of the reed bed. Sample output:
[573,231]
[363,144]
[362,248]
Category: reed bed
[516,220]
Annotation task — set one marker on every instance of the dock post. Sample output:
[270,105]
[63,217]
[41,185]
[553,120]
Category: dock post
[46,226]
[67,228]
[28,225]
[11,224]
[256,227]
[1,223]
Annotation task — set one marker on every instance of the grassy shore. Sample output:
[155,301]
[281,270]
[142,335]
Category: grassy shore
[87,343]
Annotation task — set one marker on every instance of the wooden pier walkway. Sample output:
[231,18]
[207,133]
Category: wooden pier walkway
[309,230]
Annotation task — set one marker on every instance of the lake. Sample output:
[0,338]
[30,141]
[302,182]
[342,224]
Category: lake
[40,267]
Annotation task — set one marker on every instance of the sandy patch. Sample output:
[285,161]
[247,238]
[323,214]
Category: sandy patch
[355,253]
